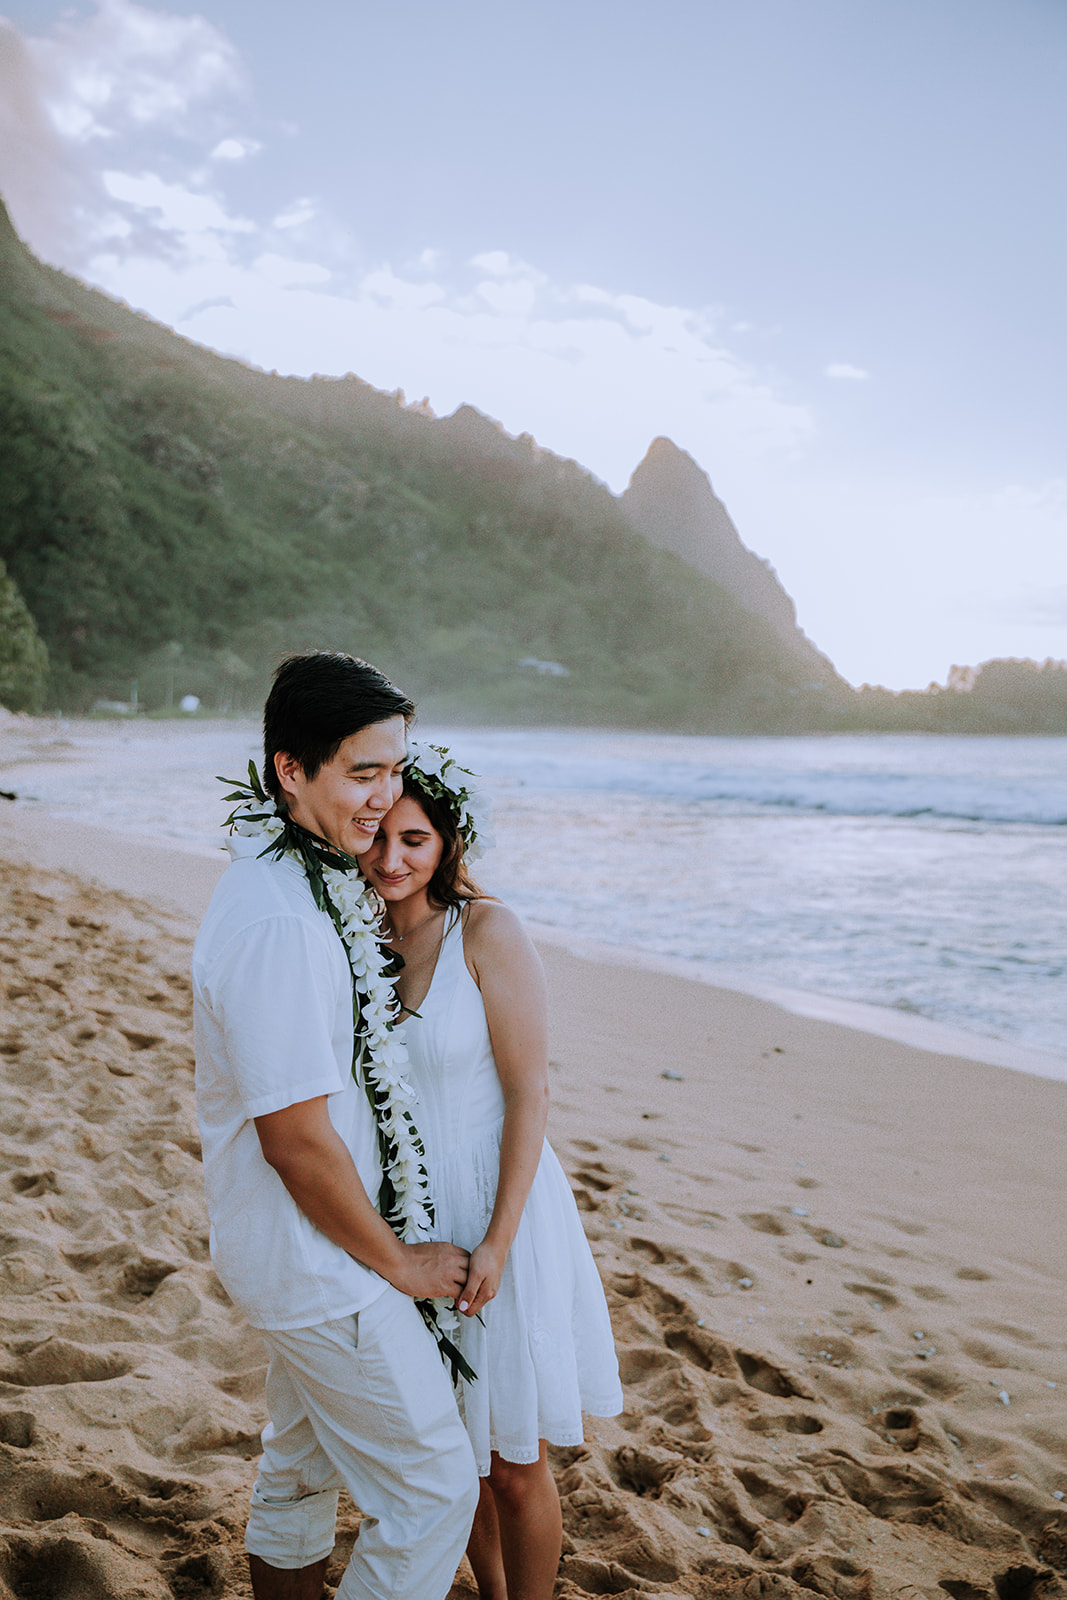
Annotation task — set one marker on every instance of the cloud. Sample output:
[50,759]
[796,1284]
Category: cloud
[173,206]
[126,125]
[284,272]
[135,83]
[843,369]
[131,67]
[594,378]
[498,263]
[235,149]
[296,215]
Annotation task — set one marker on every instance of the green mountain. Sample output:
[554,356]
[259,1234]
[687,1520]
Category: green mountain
[176,520]
[171,522]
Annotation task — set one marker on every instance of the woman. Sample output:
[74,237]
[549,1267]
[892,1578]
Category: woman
[535,1326]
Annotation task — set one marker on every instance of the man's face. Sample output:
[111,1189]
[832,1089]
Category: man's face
[348,796]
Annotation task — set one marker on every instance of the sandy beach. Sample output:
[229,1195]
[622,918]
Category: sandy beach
[836,1267]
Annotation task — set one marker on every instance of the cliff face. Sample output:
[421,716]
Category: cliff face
[671,502]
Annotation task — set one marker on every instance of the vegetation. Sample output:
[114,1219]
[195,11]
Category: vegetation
[23,657]
[174,522]
[997,697]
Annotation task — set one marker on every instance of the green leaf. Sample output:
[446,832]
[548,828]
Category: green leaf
[255,784]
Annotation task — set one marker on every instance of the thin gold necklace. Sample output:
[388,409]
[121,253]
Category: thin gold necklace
[398,938]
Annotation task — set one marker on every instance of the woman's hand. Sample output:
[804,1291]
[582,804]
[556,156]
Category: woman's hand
[483,1278]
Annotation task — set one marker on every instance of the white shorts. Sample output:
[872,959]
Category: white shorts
[365,1403]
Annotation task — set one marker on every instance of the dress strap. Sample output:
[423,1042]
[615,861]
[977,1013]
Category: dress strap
[451,937]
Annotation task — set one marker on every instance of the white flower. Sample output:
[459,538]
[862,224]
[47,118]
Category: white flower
[445,779]
[267,829]
[427,757]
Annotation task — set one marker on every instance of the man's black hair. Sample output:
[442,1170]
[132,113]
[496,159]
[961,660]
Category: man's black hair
[318,699]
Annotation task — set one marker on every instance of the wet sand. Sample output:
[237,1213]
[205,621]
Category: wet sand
[836,1267]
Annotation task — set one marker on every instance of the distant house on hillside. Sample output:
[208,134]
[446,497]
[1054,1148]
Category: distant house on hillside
[547,669]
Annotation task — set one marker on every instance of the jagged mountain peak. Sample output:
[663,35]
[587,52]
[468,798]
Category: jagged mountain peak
[671,502]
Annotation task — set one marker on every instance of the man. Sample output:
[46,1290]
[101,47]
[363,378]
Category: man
[356,1392]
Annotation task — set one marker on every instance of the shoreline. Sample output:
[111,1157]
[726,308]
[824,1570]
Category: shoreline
[882,1022]
[117,859]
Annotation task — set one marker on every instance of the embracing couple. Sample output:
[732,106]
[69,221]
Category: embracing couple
[415,1261]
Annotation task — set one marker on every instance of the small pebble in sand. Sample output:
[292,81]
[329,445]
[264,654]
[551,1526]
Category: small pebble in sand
[918,1336]
[744,1283]
[832,1242]
[675,1077]
[1057,1494]
[798,1211]
[1004,1397]
[705,1533]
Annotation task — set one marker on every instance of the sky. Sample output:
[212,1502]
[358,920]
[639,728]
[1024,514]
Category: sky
[820,244]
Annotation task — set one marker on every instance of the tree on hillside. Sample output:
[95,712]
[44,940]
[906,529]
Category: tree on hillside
[23,657]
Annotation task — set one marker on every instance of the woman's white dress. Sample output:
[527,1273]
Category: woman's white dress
[545,1353]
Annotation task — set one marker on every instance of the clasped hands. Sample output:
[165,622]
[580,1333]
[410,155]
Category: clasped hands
[440,1269]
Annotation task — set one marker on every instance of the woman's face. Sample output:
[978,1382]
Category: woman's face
[405,852]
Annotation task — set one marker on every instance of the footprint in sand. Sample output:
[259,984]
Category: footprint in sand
[33,1185]
[761,1374]
[659,1255]
[633,1286]
[58,1361]
[71,1562]
[644,1471]
[787,1422]
[18,1429]
[875,1294]
[773,1499]
[690,1216]
[901,1426]
[639,1362]
[596,1176]
[764,1222]
[121,1271]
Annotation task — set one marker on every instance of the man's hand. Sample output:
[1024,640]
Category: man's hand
[431,1270]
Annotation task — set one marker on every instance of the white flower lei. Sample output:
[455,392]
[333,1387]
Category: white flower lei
[379,1054]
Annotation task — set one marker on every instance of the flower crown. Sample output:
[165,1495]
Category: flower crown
[444,779]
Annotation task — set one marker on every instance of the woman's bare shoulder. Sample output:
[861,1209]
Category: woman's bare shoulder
[489,920]
[493,930]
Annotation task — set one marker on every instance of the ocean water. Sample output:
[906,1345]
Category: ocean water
[924,876]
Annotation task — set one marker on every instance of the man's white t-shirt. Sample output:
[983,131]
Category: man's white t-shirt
[272,1021]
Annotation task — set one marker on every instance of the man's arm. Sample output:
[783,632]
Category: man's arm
[309,1156]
